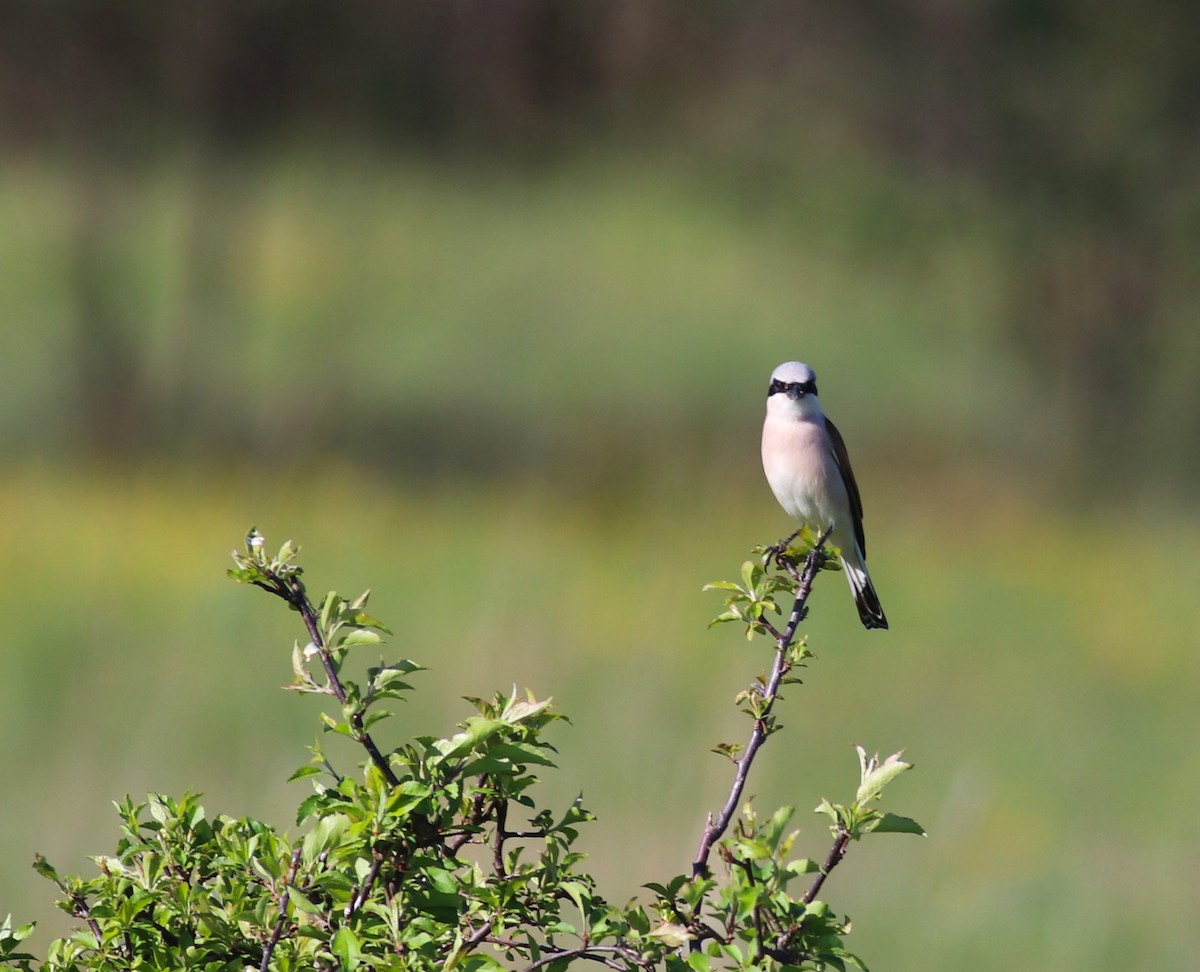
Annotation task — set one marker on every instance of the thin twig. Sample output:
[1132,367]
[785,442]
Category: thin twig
[469,944]
[292,590]
[715,828]
[359,899]
[472,823]
[283,916]
[477,936]
[356,719]
[501,810]
[594,953]
[80,905]
[836,853]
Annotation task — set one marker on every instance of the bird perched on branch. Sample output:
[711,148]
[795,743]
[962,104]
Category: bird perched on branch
[809,472]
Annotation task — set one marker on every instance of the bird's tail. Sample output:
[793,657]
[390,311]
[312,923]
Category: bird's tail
[870,611]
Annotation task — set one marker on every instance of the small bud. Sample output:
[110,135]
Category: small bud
[310,649]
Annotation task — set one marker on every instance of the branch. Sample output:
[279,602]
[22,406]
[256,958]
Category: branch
[359,899]
[501,809]
[291,589]
[283,903]
[595,953]
[715,829]
[79,903]
[836,853]
[606,954]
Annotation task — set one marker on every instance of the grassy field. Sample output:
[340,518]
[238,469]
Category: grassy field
[1040,672]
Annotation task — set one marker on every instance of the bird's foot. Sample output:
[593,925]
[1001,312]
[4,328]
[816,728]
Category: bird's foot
[776,551]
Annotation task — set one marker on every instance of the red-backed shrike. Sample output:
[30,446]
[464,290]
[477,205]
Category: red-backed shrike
[809,472]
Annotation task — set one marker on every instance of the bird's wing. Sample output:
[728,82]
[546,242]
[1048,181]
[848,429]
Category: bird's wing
[842,458]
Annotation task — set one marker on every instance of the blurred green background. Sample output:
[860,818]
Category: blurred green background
[477,301]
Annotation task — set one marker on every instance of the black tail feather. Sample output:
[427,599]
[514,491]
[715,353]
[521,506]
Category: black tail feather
[870,611]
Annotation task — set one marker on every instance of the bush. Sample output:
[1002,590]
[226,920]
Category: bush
[435,855]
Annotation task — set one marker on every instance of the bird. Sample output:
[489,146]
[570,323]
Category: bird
[808,470]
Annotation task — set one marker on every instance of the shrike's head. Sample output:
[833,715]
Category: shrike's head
[793,390]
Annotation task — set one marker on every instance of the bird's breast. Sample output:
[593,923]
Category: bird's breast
[802,472]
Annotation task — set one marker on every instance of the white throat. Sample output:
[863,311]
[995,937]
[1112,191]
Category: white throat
[780,406]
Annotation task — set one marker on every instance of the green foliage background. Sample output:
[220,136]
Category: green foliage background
[514,383]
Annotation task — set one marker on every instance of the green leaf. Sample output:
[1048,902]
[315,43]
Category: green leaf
[302,903]
[747,899]
[46,870]
[877,775]
[476,731]
[672,888]
[360,636]
[324,836]
[518,710]
[377,716]
[751,574]
[578,894]
[308,806]
[407,795]
[893,823]
[442,880]
[346,948]
[9,939]
[306,771]
[775,828]
[390,676]
[520,753]
[330,605]
[829,810]
[364,620]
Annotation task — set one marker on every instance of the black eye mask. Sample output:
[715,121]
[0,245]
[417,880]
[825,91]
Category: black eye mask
[793,389]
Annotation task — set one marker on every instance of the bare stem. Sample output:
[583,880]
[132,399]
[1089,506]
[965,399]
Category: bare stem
[501,807]
[836,853]
[277,933]
[607,954]
[80,905]
[359,899]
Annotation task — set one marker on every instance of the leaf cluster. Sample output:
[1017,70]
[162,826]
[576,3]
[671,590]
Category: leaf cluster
[749,918]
